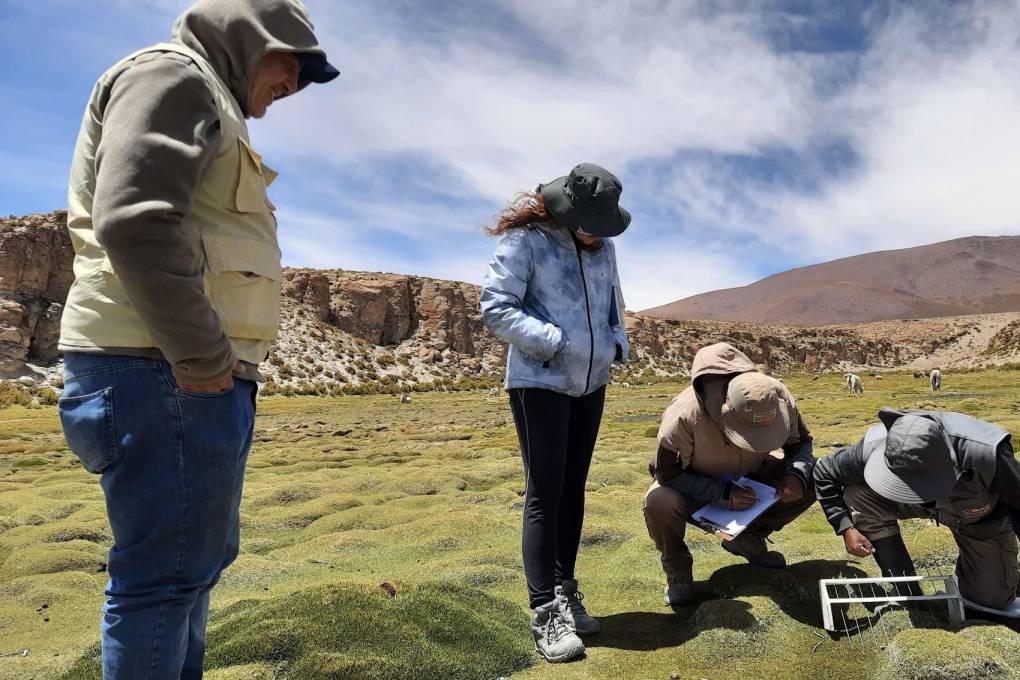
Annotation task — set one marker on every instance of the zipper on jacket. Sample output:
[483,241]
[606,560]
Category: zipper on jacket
[587,310]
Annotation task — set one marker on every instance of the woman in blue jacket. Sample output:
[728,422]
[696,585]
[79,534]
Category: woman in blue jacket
[552,292]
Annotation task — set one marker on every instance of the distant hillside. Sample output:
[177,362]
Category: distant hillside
[363,331]
[974,275]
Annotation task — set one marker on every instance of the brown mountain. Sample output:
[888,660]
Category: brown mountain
[974,275]
[345,331]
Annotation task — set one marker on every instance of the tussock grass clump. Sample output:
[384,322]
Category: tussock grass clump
[427,632]
[12,394]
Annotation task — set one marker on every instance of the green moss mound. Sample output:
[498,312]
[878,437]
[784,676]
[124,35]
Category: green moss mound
[89,666]
[941,655]
[1000,638]
[435,631]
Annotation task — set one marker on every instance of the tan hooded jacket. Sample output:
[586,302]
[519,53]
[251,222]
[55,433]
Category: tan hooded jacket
[690,439]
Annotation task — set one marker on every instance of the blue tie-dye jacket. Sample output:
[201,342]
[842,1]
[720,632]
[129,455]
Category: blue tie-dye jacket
[559,307]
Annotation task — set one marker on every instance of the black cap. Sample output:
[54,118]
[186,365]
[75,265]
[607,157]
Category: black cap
[315,69]
[918,464]
[587,200]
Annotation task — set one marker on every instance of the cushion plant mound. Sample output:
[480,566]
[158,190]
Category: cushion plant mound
[941,655]
[434,631]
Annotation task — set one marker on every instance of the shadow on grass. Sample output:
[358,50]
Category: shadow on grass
[649,631]
[794,590]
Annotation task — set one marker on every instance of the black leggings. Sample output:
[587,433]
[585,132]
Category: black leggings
[557,434]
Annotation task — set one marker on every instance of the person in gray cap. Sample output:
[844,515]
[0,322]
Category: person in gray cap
[949,467]
[175,303]
[729,423]
[552,292]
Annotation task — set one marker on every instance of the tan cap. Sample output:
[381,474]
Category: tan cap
[754,417]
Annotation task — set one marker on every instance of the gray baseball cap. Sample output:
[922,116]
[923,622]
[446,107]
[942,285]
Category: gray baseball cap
[918,464]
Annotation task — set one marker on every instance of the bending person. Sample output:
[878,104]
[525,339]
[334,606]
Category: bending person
[552,292]
[726,425]
[949,467]
[174,304]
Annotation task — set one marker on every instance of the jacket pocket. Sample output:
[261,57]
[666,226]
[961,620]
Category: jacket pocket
[1008,557]
[88,427]
[614,314]
[561,351]
[243,282]
[253,177]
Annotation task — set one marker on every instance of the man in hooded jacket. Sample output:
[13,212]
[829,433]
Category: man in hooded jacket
[729,423]
[938,465]
[175,302]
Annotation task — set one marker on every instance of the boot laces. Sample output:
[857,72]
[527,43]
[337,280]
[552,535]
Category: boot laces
[575,603]
[555,628]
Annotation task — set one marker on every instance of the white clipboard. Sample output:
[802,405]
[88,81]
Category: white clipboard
[728,524]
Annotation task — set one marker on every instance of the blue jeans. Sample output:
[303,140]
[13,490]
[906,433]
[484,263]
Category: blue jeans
[171,466]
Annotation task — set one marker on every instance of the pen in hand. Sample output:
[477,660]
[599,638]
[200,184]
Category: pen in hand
[741,497]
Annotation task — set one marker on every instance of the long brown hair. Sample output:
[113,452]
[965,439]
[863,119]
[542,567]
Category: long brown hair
[525,208]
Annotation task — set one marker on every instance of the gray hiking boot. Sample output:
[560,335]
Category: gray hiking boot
[679,594]
[751,546]
[554,638]
[573,610]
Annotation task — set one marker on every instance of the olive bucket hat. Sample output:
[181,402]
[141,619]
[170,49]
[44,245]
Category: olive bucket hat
[587,200]
[754,416]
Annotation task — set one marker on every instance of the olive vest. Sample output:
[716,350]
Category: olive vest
[232,212]
[976,444]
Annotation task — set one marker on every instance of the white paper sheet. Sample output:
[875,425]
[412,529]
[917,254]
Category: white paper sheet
[732,522]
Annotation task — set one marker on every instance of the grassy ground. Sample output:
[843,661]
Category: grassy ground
[345,494]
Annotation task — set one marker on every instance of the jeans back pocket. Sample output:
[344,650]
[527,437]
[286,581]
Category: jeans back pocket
[88,427]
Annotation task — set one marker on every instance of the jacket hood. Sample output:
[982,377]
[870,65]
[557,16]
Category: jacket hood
[721,358]
[234,36]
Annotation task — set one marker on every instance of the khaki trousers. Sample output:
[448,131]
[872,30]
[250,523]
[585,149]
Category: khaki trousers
[667,512]
[986,568]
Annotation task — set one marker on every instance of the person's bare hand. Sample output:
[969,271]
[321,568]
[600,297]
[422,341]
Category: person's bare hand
[790,490]
[856,543]
[222,385]
[742,498]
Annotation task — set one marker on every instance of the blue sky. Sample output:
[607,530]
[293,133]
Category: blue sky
[749,139]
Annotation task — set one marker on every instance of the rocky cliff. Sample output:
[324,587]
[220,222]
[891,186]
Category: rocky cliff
[353,330]
[35,275]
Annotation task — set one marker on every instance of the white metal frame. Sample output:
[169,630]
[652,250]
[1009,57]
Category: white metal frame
[950,595]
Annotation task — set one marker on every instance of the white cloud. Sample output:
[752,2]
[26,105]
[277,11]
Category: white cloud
[500,121]
[934,119]
[472,102]
[652,277]
[504,121]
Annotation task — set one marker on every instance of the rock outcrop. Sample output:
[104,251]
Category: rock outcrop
[359,328]
[388,309]
[35,275]
[1006,341]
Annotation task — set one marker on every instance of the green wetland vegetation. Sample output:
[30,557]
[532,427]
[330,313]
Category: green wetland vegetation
[346,494]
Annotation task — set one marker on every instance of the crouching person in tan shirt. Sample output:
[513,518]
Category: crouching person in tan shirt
[730,422]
